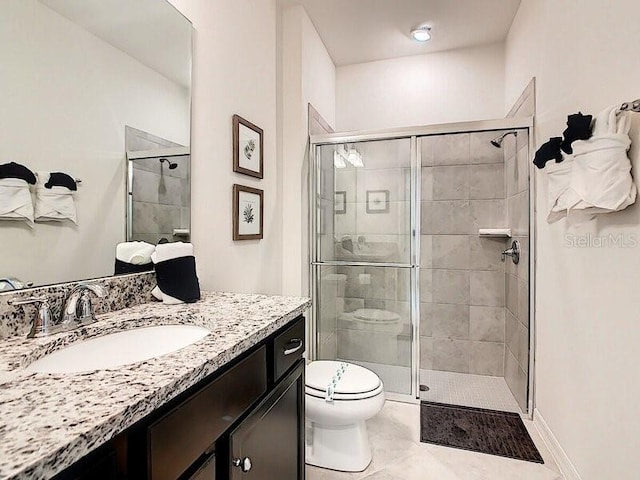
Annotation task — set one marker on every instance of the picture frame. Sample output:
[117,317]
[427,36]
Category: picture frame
[340,202]
[248,148]
[248,203]
[377,201]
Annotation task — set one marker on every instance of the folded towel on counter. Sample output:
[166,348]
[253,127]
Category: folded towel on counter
[176,273]
[54,203]
[134,257]
[15,200]
[15,170]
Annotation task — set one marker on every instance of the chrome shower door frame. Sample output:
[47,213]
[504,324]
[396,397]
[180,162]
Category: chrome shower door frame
[414,134]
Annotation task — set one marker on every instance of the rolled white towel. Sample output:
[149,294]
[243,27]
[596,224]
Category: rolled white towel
[55,203]
[136,253]
[15,200]
[169,251]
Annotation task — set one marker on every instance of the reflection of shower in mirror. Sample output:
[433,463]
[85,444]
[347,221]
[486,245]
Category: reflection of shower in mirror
[172,166]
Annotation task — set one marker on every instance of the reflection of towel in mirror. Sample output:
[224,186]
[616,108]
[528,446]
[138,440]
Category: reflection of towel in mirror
[176,273]
[133,257]
[15,170]
[15,200]
[55,203]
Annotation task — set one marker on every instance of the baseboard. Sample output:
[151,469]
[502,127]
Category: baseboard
[562,460]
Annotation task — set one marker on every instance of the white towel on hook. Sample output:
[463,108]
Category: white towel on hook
[596,178]
[601,175]
[169,251]
[55,203]
[15,200]
[560,198]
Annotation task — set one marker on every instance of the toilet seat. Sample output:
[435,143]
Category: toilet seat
[351,382]
[375,315]
[343,396]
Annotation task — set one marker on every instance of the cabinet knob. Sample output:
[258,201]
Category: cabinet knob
[244,464]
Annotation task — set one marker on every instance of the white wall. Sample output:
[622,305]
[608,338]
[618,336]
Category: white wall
[307,76]
[454,86]
[234,73]
[584,57]
[66,98]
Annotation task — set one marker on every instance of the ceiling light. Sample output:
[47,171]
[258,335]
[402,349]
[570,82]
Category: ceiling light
[421,33]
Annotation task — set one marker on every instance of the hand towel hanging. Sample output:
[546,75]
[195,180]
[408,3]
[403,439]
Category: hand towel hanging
[15,200]
[54,203]
[601,174]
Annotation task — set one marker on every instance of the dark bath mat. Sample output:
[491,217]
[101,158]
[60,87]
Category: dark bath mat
[477,429]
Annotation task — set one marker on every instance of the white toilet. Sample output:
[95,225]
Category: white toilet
[340,397]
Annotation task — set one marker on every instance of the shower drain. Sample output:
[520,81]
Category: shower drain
[424,388]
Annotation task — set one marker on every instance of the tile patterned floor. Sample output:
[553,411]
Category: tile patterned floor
[468,390]
[399,455]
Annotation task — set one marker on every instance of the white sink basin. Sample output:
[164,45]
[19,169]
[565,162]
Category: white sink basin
[118,349]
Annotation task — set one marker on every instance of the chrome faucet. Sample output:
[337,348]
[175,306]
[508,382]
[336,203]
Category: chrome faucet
[42,324]
[77,309]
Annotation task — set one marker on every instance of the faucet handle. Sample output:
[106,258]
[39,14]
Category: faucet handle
[42,324]
[84,310]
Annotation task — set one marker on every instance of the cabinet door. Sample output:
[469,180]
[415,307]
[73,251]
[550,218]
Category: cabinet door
[269,443]
[207,471]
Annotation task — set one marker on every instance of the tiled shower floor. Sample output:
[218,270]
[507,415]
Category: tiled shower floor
[446,387]
[468,390]
[395,379]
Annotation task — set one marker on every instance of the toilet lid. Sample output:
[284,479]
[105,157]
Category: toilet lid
[354,379]
[376,315]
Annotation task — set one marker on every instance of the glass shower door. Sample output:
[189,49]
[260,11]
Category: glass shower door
[363,259]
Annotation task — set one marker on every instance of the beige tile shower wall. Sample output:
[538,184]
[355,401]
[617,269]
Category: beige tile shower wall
[462,280]
[161,199]
[516,354]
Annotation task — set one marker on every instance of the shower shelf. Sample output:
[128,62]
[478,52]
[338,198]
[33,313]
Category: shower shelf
[494,232]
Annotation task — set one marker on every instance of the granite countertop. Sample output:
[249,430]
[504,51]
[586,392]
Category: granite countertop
[49,421]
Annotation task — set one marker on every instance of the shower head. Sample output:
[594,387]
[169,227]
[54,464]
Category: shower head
[172,166]
[497,142]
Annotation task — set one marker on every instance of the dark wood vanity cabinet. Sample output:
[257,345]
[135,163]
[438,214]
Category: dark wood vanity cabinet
[268,444]
[245,422]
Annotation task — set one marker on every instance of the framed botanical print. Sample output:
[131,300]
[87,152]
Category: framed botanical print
[248,209]
[248,144]
[340,202]
[377,201]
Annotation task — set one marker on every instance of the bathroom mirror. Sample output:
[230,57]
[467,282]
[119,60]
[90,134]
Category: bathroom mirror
[85,85]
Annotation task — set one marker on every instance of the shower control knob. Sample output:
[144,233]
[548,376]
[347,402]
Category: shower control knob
[513,252]
[244,464]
